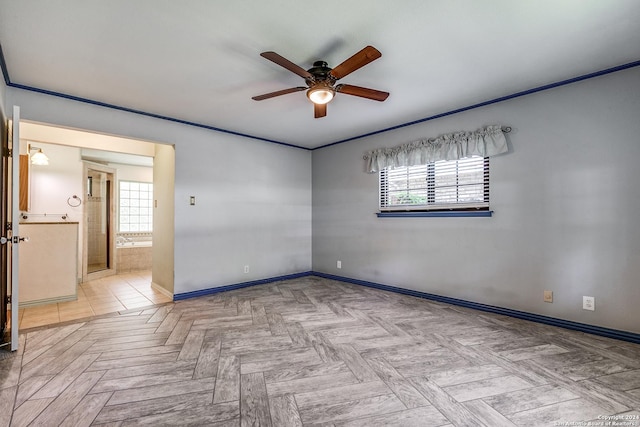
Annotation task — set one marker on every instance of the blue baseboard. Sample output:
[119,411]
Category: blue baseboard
[567,324]
[210,291]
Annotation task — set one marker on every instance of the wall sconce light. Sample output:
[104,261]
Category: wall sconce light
[38,158]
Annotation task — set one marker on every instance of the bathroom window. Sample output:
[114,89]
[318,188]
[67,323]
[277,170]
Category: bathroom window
[136,207]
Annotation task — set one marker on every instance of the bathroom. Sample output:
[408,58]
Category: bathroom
[126,182]
[134,239]
[106,196]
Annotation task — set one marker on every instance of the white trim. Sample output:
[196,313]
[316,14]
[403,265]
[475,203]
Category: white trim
[162,290]
[34,303]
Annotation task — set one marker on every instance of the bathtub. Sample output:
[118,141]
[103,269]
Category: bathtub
[132,256]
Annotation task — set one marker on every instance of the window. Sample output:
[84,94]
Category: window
[442,185]
[136,206]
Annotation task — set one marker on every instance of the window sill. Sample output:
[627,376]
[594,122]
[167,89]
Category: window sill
[434,214]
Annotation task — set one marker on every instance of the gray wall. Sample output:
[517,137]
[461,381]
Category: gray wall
[566,202]
[253,198]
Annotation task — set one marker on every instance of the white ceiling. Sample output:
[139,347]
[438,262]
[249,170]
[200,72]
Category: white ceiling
[199,60]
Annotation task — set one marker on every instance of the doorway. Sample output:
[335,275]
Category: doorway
[4,219]
[98,260]
[110,159]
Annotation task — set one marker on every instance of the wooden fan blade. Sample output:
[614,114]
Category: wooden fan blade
[278,93]
[284,62]
[359,60]
[363,92]
[319,110]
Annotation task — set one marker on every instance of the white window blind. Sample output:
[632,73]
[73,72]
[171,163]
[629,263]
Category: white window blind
[136,206]
[443,185]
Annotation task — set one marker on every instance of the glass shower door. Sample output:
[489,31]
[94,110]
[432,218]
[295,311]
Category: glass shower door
[98,206]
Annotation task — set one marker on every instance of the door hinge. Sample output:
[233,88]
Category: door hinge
[8,152]
[8,299]
[9,226]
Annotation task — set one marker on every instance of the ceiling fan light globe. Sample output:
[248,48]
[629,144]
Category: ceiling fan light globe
[320,95]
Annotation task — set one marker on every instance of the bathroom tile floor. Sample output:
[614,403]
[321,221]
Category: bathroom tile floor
[102,296]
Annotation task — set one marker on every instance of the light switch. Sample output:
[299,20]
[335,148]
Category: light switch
[192,200]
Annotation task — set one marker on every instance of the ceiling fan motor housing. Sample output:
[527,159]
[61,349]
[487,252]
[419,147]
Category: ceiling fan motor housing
[320,72]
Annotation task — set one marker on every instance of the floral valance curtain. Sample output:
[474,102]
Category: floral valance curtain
[485,142]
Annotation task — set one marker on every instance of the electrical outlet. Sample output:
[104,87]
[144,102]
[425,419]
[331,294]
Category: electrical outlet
[548,296]
[246,268]
[339,264]
[589,303]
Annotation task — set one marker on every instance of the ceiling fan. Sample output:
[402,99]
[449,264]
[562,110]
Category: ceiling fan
[321,79]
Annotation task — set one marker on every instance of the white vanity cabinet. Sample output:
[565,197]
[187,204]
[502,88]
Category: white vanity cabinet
[48,263]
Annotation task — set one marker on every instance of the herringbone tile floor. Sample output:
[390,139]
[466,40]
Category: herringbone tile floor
[316,352]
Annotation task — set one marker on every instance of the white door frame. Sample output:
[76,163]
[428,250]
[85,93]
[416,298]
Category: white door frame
[15,225]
